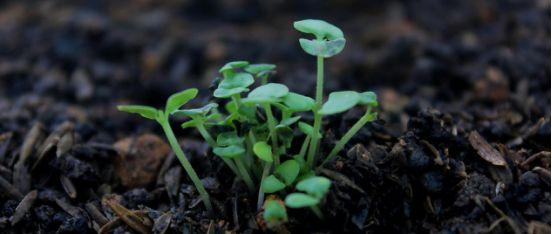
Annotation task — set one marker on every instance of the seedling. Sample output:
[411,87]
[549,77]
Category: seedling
[174,102]
[257,121]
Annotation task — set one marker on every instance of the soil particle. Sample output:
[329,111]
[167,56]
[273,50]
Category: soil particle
[139,159]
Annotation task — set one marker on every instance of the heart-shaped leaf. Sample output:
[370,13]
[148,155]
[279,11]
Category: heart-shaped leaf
[288,171]
[202,111]
[339,102]
[229,138]
[176,100]
[368,98]
[322,48]
[308,130]
[147,112]
[274,211]
[271,184]
[316,186]
[297,102]
[320,28]
[263,151]
[300,200]
[231,151]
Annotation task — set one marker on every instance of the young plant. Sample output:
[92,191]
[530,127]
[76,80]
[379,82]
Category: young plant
[174,102]
[254,127]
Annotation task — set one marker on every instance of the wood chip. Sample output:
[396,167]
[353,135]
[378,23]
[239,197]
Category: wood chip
[23,207]
[137,223]
[485,150]
[9,189]
[68,186]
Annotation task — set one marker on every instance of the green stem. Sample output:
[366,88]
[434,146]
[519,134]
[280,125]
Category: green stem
[317,212]
[260,198]
[245,174]
[186,164]
[304,147]
[317,117]
[205,134]
[264,79]
[272,129]
[367,117]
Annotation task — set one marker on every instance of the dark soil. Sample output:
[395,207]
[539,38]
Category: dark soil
[462,144]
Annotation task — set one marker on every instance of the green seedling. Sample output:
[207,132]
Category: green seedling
[256,124]
[174,102]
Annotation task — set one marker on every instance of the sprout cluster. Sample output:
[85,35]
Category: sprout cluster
[253,128]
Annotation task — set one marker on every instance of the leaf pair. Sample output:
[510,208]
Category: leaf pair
[344,100]
[329,38]
[174,102]
[314,188]
[230,145]
[284,175]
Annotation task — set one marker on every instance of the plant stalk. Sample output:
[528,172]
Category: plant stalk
[245,174]
[367,117]
[186,164]
[260,198]
[272,129]
[317,117]
[205,134]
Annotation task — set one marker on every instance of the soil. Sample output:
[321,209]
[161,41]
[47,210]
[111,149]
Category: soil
[462,143]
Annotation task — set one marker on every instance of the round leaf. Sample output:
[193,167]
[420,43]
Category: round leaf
[274,211]
[325,49]
[297,102]
[263,151]
[320,28]
[339,102]
[288,171]
[300,200]
[147,112]
[269,91]
[368,98]
[241,79]
[229,67]
[271,184]
[176,100]
[317,186]
[231,151]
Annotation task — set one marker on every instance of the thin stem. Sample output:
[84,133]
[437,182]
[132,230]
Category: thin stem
[245,174]
[264,79]
[317,212]
[186,164]
[205,134]
[304,147]
[367,117]
[272,129]
[317,117]
[260,198]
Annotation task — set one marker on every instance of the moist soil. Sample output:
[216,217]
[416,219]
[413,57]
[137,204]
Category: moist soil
[461,145]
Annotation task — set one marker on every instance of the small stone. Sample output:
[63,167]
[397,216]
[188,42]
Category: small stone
[139,159]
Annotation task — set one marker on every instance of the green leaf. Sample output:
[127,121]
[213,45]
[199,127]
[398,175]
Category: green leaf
[189,123]
[297,102]
[300,200]
[368,98]
[228,69]
[274,211]
[229,138]
[231,151]
[225,93]
[267,93]
[288,171]
[260,69]
[271,184]
[285,134]
[339,102]
[147,112]
[176,100]
[321,29]
[325,49]
[202,111]
[316,186]
[308,130]
[263,151]
[289,121]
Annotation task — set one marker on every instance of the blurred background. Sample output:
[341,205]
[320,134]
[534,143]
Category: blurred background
[77,59]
